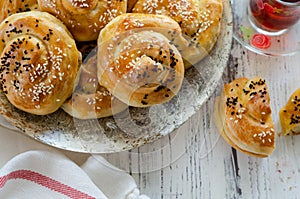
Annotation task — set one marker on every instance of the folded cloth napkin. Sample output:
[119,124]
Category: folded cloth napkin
[43,174]
[29,169]
[49,174]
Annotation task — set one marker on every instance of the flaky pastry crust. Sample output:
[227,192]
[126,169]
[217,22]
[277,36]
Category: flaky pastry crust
[136,61]
[39,61]
[243,116]
[290,115]
[84,18]
[16,6]
[90,100]
[198,19]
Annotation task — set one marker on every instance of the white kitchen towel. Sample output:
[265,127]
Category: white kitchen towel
[49,174]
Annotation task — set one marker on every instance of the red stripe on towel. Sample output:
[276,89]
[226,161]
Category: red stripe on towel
[46,182]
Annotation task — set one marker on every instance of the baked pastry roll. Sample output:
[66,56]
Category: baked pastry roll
[39,61]
[16,6]
[90,100]
[84,18]
[290,115]
[137,62]
[198,19]
[243,116]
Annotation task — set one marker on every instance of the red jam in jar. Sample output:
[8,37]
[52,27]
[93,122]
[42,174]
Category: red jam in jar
[275,15]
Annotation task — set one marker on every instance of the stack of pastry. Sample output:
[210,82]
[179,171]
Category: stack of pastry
[143,50]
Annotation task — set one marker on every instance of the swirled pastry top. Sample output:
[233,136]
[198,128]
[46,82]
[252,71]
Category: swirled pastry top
[137,62]
[84,18]
[90,100]
[243,116]
[290,115]
[16,6]
[198,19]
[39,61]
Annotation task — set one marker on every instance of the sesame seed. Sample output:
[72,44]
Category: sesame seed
[269,140]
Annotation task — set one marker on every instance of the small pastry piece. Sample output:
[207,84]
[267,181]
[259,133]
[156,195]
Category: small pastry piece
[84,18]
[290,115]
[243,116]
[91,100]
[136,61]
[16,6]
[39,61]
[198,19]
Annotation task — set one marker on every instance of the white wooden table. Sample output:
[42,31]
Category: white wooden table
[195,162]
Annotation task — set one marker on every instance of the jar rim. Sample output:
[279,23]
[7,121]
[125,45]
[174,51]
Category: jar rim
[296,4]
